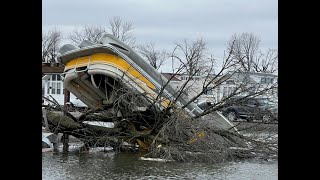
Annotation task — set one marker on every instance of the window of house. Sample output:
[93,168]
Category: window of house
[265,80]
[48,87]
[225,91]
[218,93]
[230,82]
[208,91]
[54,84]
[53,89]
[58,87]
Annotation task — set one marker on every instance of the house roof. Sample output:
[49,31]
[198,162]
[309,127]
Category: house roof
[169,75]
[48,68]
[256,73]
[244,76]
[46,77]
[236,76]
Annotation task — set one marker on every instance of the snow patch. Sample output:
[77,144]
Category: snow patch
[100,123]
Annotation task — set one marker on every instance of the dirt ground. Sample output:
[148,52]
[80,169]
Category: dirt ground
[256,127]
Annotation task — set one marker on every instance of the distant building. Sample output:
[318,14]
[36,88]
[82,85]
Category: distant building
[193,87]
[253,82]
[224,85]
[175,80]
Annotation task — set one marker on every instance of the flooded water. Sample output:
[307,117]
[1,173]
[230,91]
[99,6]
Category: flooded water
[108,165]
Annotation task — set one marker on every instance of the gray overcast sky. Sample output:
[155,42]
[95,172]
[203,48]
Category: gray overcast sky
[165,22]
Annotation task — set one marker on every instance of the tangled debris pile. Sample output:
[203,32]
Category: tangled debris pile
[175,137]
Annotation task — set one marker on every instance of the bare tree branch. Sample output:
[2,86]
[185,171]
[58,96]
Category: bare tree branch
[155,57]
[191,54]
[50,45]
[122,30]
[248,56]
[88,32]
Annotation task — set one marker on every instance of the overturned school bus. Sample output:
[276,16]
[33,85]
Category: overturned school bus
[92,71]
[98,73]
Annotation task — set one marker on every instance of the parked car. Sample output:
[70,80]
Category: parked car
[204,105]
[251,109]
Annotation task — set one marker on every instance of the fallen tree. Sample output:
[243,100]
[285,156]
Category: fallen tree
[168,134]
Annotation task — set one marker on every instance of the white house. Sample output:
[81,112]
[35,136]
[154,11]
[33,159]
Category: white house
[253,82]
[227,84]
[193,87]
[52,85]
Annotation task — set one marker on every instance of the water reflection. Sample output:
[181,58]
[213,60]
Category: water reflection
[101,165]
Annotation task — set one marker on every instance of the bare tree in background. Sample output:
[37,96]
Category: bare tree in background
[88,32]
[122,30]
[155,57]
[246,52]
[50,45]
[194,54]
[267,63]
[191,54]
[194,62]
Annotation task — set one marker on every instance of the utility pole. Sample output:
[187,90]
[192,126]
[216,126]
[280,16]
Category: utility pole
[65,137]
